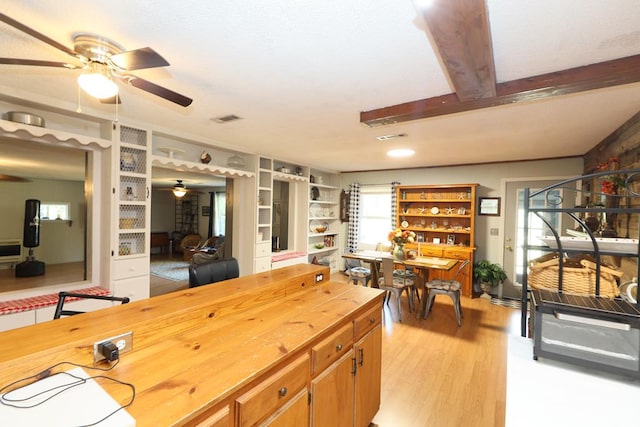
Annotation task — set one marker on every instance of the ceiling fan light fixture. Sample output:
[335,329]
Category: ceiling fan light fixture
[179,190]
[98,85]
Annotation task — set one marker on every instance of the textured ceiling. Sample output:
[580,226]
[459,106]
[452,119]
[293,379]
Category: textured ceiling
[300,72]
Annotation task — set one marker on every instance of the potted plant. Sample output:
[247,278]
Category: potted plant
[488,275]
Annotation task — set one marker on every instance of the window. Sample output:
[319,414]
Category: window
[375,214]
[54,211]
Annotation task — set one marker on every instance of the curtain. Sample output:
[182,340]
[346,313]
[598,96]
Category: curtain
[221,213]
[394,186]
[354,217]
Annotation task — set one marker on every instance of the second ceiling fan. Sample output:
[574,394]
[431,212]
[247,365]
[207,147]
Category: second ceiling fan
[103,61]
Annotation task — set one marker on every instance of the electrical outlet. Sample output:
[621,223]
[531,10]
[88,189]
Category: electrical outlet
[319,277]
[124,342]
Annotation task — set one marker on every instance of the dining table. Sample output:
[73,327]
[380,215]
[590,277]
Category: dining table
[424,264]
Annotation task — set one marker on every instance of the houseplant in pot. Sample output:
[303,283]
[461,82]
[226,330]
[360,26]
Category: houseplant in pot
[488,275]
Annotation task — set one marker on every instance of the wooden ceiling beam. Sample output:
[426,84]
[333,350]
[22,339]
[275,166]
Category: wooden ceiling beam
[460,31]
[589,77]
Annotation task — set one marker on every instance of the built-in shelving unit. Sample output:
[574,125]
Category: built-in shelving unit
[324,222]
[132,205]
[265,199]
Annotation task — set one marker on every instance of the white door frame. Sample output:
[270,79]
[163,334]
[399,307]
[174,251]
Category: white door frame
[503,188]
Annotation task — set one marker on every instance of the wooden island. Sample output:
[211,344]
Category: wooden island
[283,347]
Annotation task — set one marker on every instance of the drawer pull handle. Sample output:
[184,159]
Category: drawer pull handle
[282,392]
[372,320]
[339,347]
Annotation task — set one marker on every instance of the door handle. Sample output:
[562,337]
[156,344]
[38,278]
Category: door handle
[509,248]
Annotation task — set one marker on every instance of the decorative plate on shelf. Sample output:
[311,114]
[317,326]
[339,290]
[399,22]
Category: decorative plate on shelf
[315,210]
[235,161]
[404,224]
[435,210]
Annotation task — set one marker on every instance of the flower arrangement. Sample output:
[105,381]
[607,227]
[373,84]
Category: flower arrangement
[401,237]
[609,184]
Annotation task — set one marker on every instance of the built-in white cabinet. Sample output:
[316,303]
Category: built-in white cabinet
[131,190]
[324,222]
[262,259]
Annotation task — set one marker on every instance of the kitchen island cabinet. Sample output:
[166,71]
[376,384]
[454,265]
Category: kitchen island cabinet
[238,352]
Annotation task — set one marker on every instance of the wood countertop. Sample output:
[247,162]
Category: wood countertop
[195,349]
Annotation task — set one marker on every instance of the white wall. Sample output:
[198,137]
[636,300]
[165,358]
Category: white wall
[491,179]
[59,242]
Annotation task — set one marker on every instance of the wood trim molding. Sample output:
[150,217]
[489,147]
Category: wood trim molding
[596,76]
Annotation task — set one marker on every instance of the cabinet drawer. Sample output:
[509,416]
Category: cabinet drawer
[265,398]
[329,350]
[263,249]
[431,251]
[367,321]
[125,268]
[263,264]
[457,254]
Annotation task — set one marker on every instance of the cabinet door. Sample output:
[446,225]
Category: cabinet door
[332,394]
[368,376]
[294,413]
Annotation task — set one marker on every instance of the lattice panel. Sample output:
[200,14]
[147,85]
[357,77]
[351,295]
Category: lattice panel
[133,160]
[132,217]
[131,244]
[133,136]
[132,188]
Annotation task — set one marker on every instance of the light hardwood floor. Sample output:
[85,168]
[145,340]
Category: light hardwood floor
[434,373]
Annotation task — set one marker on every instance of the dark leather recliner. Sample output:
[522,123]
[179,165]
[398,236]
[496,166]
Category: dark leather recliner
[211,272]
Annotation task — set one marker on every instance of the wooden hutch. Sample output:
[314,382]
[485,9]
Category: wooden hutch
[443,218]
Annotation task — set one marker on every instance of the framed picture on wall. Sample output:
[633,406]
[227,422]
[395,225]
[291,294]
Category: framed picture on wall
[489,206]
[206,210]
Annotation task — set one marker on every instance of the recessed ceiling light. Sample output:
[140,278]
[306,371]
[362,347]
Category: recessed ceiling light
[401,152]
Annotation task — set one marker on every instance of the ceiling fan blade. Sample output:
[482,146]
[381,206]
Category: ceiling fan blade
[18,61]
[160,91]
[33,33]
[138,59]
[116,99]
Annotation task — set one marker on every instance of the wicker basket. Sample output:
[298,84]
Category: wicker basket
[576,280]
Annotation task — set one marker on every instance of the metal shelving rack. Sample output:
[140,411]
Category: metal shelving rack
[565,326]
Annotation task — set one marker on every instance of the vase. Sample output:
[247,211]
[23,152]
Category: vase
[399,252]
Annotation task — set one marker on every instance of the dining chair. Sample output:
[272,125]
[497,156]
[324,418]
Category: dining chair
[62,296]
[356,272]
[450,287]
[396,285]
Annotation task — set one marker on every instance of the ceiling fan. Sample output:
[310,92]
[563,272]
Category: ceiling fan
[103,61]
